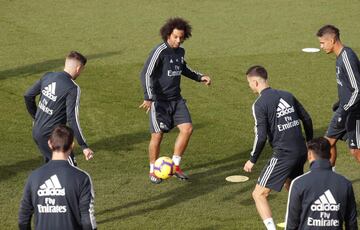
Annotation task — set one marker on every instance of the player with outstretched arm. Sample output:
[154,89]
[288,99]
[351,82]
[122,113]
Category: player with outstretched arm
[58,104]
[160,79]
[278,116]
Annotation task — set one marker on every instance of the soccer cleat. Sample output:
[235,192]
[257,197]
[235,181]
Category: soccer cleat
[180,174]
[154,179]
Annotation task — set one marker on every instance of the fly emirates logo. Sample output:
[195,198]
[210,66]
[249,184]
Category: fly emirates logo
[284,109]
[51,188]
[325,205]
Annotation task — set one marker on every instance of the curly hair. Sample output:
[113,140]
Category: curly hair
[175,23]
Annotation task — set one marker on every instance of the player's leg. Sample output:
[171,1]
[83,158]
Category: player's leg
[158,125]
[260,195]
[182,120]
[42,144]
[182,140]
[333,150]
[353,132]
[333,134]
[154,146]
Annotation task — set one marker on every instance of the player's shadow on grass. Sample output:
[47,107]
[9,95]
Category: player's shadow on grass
[126,141]
[8,171]
[201,183]
[44,66]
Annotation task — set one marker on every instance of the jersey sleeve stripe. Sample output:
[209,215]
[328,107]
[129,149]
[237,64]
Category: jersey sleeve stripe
[150,68]
[352,81]
[255,129]
[77,111]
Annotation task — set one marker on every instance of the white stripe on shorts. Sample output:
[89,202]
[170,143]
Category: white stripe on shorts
[153,118]
[268,172]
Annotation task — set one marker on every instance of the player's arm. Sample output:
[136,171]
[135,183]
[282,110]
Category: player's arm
[30,96]
[146,77]
[86,205]
[351,62]
[72,113]
[351,213]
[293,211]
[306,120]
[196,76]
[260,130]
[26,209]
[147,73]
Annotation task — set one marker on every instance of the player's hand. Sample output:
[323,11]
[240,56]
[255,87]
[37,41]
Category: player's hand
[88,153]
[206,80]
[146,105]
[248,166]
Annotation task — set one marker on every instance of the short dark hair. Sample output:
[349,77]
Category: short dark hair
[78,56]
[258,71]
[61,138]
[175,23]
[320,147]
[329,29]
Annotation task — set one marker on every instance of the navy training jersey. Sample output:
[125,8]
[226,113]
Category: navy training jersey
[58,104]
[277,117]
[348,79]
[59,196]
[162,72]
[321,199]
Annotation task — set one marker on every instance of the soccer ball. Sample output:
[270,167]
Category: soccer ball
[164,167]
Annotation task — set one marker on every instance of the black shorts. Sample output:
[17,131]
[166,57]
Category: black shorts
[350,131]
[277,170]
[41,139]
[165,115]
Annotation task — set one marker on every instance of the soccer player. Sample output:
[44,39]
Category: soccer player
[321,198]
[346,118]
[160,79]
[59,103]
[277,116]
[59,195]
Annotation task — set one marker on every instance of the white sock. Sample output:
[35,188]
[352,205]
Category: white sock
[176,159]
[151,168]
[333,169]
[269,223]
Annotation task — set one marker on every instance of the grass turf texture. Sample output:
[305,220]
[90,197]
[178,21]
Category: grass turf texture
[117,36]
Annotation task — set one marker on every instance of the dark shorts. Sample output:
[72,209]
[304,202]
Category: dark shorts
[165,115]
[41,140]
[350,131]
[277,170]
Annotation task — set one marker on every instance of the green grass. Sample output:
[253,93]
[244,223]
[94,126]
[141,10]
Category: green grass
[228,37]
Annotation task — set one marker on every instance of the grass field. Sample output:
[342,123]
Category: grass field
[228,37]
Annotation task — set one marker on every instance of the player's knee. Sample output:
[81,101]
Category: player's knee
[259,194]
[356,154]
[156,137]
[188,129]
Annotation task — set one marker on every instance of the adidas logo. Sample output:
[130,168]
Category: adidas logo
[284,108]
[51,187]
[171,61]
[326,202]
[49,91]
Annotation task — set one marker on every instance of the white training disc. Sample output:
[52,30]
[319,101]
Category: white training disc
[281,225]
[237,178]
[311,50]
